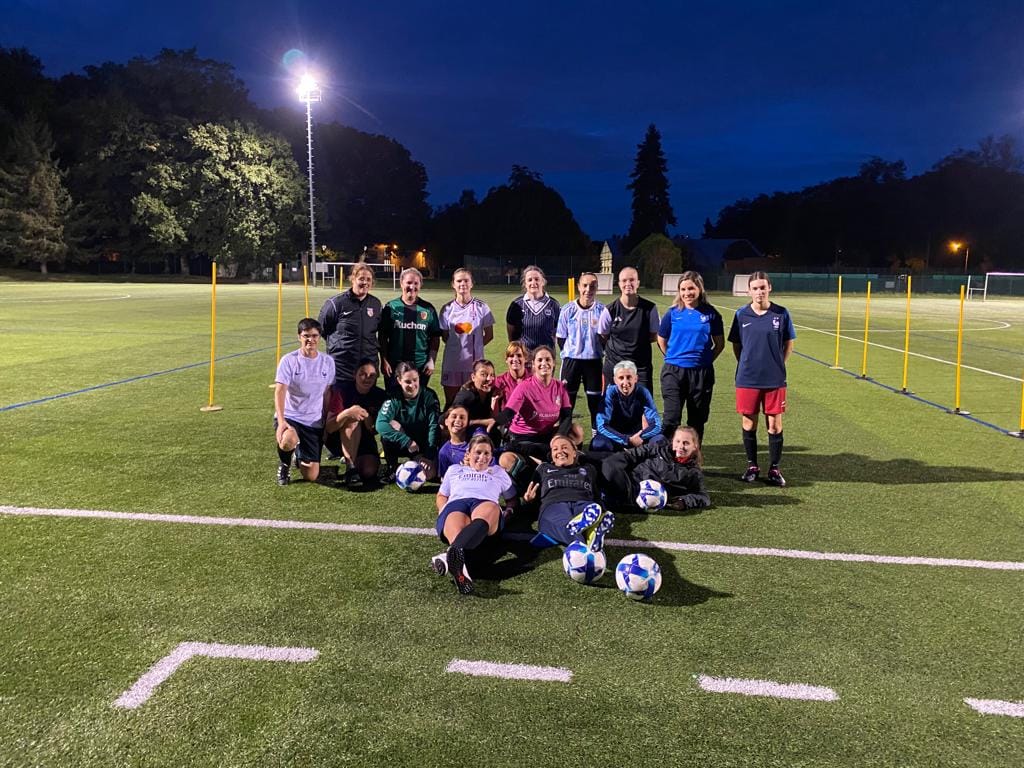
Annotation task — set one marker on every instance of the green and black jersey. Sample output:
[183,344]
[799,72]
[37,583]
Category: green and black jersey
[406,331]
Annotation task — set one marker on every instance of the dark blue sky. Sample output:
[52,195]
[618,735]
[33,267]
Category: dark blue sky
[749,97]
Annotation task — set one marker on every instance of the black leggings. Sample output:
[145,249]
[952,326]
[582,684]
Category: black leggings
[691,387]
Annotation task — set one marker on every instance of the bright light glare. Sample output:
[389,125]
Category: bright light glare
[954,246]
[306,85]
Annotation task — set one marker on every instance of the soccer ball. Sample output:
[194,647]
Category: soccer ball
[410,476]
[638,576]
[652,495]
[582,565]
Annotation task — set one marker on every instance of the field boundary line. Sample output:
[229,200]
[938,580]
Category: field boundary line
[145,686]
[996,707]
[509,671]
[129,380]
[768,688]
[679,546]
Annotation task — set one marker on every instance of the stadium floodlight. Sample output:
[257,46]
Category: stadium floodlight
[955,247]
[309,91]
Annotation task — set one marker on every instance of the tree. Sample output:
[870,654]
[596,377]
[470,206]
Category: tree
[652,211]
[655,256]
[33,201]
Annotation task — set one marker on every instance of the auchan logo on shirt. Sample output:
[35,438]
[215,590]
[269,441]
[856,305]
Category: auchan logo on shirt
[412,325]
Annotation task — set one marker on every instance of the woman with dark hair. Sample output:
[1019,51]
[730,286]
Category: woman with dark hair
[533,317]
[302,387]
[477,396]
[409,423]
[350,427]
[691,337]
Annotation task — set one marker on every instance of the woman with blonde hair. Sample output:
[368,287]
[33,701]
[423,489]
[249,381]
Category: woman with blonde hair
[533,317]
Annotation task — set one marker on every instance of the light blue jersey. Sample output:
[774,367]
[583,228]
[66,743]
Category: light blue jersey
[582,330]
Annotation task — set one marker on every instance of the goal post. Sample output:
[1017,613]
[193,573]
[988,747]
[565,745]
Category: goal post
[670,283]
[1003,285]
[739,285]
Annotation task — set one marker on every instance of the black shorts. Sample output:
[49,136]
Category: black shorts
[576,371]
[311,441]
[367,443]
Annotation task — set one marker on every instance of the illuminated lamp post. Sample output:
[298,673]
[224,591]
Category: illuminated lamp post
[955,247]
[309,92]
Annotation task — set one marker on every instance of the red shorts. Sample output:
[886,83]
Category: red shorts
[771,401]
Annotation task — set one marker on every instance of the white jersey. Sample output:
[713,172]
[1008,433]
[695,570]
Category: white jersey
[465,325]
[464,482]
[582,330]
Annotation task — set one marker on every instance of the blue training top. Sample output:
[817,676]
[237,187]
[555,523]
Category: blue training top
[623,416]
[762,339]
[689,332]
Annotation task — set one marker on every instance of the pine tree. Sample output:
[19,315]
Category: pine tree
[652,211]
[33,200]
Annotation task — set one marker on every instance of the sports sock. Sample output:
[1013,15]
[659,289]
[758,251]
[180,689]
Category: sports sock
[472,536]
[750,445]
[775,448]
[285,456]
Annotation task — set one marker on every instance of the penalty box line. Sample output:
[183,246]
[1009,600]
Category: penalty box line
[679,546]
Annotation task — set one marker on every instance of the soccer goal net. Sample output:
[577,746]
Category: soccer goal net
[670,283]
[739,285]
[998,285]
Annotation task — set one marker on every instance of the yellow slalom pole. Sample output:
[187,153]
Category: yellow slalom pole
[280,281]
[213,339]
[305,287]
[959,354]
[906,339]
[1020,432]
[572,289]
[839,314]
[867,316]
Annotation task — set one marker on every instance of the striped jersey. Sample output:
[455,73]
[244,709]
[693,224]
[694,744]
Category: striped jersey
[582,330]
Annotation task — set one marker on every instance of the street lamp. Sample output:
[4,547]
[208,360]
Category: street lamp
[309,92]
[955,247]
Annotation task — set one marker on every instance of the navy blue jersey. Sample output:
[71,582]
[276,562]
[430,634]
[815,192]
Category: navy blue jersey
[537,324]
[689,333]
[762,339]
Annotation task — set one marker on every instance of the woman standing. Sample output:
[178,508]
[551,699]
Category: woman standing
[301,391]
[691,337]
[409,330]
[350,321]
[634,328]
[467,326]
[533,317]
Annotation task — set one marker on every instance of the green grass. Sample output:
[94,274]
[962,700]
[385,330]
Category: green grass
[89,605]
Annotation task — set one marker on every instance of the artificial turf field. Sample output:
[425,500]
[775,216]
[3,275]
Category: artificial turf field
[89,605]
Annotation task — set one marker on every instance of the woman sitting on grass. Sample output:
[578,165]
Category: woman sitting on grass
[676,465]
[408,424]
[477,396]
[629,418]
[566,488]
[469,509]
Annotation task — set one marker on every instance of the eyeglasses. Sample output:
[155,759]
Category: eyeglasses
[310,336]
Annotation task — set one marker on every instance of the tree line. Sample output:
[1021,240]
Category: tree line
[163,164]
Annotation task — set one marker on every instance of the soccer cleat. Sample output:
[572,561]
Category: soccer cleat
[284,473]
[439,563]
[775,478]
[752,473]
[353,479]
[578,526]
[595,538]
[456,559]
[389,474]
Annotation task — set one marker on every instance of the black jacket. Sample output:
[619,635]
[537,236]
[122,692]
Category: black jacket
[683,481]
[350,331]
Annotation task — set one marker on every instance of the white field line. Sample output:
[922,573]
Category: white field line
[510,671]
[996,707]
[144,687]
[767,688]
[679,546]
[28,300]
[912,354]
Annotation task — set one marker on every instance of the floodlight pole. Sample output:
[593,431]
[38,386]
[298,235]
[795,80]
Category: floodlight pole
[309,95]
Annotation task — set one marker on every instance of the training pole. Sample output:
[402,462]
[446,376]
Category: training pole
[1020,432]
[210,407]
[906,340]
[959,356]
[867,316]
[305,287]
[839,314]
[280,280]
[572,289]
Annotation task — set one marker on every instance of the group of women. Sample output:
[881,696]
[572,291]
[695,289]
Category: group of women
[502,430]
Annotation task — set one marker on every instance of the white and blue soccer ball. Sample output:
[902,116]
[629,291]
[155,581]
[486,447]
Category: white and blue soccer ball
[652,495]
[638,576]
[581,564]
[410,476]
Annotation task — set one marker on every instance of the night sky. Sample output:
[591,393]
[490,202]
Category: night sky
[749,97]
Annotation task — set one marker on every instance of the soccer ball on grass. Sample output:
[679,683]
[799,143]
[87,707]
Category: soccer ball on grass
[638,576]
[652,495]
[583,565]
[410,476]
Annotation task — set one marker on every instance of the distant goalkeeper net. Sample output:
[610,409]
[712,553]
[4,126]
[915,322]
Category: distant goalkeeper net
[997,285]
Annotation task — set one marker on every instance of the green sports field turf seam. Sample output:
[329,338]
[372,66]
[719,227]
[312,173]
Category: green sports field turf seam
[911,395]
[129,380]
[714,549]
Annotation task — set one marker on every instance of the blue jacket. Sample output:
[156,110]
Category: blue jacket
[623,416]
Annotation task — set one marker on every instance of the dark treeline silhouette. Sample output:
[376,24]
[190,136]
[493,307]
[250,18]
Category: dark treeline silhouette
[882,219]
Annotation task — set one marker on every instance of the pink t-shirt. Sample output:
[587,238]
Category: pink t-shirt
[504,386]
[536,406]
